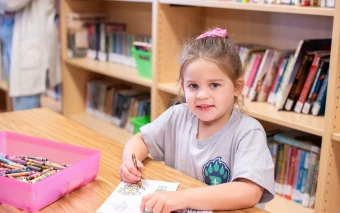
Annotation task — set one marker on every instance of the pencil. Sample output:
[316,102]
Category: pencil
[139,183]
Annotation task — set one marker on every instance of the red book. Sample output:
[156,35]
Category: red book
[309,80]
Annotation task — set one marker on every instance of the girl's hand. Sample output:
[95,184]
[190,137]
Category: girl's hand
[128,171]
[164,202]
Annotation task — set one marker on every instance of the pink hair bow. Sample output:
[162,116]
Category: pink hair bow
[217,32]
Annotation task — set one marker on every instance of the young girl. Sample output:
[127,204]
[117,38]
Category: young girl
[206,137]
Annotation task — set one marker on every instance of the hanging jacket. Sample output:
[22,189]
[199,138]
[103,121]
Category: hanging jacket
[34,48]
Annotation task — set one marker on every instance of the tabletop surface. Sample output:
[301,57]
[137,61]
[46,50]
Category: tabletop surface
[44,123]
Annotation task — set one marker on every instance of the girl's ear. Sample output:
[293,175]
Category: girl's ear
[239,85]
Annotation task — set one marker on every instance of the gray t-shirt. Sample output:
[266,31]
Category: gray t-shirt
[238,150]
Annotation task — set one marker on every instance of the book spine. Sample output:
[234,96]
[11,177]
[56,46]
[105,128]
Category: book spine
[314,185]
[276,84]
[279,99]
[297,195]
[308,83]
[261,73]
[304,177]
[298,82]
[309,181]
[279,169]
[283,168]
[288,164]
[320,103]
[270,75]
[252,74]
[315,87]
[296,143]
[296,174]
[288,191]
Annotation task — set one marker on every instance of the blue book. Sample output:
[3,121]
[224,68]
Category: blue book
[297,192]
[320,103]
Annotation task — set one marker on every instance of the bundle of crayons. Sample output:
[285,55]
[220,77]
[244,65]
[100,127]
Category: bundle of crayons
[29,169]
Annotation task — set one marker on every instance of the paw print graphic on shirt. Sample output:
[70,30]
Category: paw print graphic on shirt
[215,172]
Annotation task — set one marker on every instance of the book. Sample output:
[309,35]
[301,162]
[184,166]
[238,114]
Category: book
[302,140]
[309,181]
[299,81]
[251,72]
[320,103]
[319,77]
[294,192]
[261,73]
[310,78]
[277,81]
[265,85]
[290,177]
[290,74]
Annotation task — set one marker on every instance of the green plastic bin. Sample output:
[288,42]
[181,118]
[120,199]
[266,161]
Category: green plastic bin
[138,122]
[143,61]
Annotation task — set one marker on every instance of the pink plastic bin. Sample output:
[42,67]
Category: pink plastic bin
[33,197]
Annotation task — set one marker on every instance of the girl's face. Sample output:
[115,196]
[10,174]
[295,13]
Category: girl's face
[208,91]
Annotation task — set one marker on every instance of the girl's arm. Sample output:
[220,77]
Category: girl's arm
[137,146]
[127,170]
[239,194]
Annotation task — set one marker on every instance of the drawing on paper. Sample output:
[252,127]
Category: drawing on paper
[120,206]
[130,190]
[161,189]
[126,198]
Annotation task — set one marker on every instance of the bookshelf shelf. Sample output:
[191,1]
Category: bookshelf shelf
[254,7]
[137,1]
[111,69]
[307,123]
[3,85]
[268,112]
[282,205]
[336,136]
[115,133]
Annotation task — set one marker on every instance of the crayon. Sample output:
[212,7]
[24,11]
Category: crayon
[36,165]
[9,166]
[34,168]
[34,158]
[16,160]
[18,174]
[139,183]
[14,171]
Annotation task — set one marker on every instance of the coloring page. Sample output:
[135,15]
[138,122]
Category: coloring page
[126,198]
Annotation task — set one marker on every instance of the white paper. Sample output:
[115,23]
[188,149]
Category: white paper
[126,198]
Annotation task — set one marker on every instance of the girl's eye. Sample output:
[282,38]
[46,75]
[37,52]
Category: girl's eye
[214,85]
[193,86]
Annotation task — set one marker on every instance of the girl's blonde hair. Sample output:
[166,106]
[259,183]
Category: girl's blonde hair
[219,50]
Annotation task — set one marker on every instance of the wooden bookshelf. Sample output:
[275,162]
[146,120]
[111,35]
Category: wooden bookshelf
[114,70]
[170,87]
[336,136]
[171,22]
[51,103]
[3,85]
[136,1]
[113,132]
[267,112]
[254,7]
[282,205]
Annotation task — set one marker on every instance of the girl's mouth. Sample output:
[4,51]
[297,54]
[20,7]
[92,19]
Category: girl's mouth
[204,107]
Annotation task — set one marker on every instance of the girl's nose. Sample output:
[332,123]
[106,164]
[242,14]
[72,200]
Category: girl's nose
[202,94]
